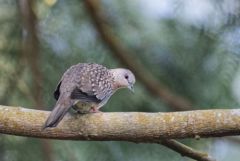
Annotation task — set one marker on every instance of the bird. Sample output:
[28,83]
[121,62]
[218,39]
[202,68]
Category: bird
[86,87]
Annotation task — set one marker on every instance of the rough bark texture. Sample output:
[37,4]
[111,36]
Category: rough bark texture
[134,126]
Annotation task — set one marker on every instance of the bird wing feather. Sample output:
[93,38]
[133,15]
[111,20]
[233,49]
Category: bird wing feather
[57,90]
[84,97]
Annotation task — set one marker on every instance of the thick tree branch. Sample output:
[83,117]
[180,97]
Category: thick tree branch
[134,126]
[126,57]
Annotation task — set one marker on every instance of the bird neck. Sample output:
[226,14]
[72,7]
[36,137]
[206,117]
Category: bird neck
[117,83]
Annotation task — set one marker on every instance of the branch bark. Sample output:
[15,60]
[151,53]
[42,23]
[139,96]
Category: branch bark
[119,126]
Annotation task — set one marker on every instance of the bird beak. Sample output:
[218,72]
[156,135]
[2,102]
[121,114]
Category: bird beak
[131,88]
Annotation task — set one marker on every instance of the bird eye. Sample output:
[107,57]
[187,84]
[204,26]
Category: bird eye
[126,76]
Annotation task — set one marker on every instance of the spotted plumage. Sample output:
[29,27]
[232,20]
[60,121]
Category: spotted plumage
[87,87]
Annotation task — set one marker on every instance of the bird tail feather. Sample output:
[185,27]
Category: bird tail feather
[61,108]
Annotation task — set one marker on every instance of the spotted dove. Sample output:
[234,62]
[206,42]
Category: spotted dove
[87,87]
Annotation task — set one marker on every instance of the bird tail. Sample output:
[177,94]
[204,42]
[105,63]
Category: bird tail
[61,108]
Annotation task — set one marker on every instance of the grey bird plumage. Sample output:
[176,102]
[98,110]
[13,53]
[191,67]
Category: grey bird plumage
[87,87]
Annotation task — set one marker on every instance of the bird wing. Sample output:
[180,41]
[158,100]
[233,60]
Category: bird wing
[93,85]
[62,94]
[57,90]
[69,77]
[97,81]
[81,80]
[84,97]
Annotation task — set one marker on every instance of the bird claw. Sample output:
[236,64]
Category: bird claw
[94,110]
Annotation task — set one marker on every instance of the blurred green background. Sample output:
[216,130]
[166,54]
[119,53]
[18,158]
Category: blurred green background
[192,47]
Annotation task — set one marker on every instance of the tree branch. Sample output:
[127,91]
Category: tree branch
[185,150]
[126,57]
[133,126]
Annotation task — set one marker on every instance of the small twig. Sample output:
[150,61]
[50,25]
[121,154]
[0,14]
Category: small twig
[186,151]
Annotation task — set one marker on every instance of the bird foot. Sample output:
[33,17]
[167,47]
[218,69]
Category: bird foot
[94,110]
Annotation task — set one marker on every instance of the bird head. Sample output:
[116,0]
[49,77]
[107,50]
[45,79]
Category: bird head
[123,78]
